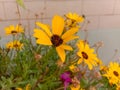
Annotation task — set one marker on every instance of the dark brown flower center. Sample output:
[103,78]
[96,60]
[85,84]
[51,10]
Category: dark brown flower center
[16,45]
[85,56]
[56,40]
[116,73]
[13,31]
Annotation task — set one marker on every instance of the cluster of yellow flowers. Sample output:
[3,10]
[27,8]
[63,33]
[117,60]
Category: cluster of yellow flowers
[14,31]
[63,31]
[58,35]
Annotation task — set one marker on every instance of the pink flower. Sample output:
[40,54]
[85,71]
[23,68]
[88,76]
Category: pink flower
[65,77]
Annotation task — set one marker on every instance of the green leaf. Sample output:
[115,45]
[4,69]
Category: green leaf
[83,83]
[20,3]
[101,88]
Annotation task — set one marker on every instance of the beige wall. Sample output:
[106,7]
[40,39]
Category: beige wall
[104,16]
[101,13]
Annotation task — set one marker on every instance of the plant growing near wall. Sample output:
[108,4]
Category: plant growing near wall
[55,58]
[20,3]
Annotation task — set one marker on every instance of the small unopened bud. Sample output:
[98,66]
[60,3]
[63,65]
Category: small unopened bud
[92,88]
[99,44]
[59,63]
[37,57]
[75,82]
[97,75]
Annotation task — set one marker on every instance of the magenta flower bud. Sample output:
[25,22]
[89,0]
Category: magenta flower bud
[65,77]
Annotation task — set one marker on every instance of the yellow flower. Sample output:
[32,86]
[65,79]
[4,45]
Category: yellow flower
[15,44]
[74,68]
[118,87]
[75,17]
[99,62]
[103,68]
[28,87]
[86,55]
[73,20]
[9,45]
[56,38]
[14,30]
[75,88]
[113,73]
[72,87]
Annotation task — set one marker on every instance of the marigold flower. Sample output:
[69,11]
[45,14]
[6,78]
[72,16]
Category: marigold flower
[87,55]
[113,73]
[103,68]
[74,68]
[14,45]
[57,38]
[75,17]
[14,29]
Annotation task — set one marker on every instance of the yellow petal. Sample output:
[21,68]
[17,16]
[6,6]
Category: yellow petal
[69,15]
[45,28]
[69,33]
[75,88]
[80,19]
[43,41]
[81,45]
[12,27]
[80,61]
[86,46]
[79,54]
[66,47]
[57,25]
[19,28]
[61,53]
[8,31]
[75,16]
[81,58]
[28,87]
[72,68]
[90,66]
[7,28]
[37,33]
[70,38]
[18,89]
[42,37]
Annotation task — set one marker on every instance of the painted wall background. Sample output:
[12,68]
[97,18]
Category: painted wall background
[104,17]
[110,51]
